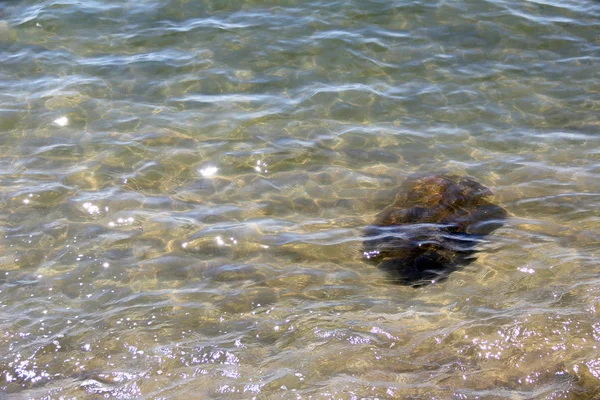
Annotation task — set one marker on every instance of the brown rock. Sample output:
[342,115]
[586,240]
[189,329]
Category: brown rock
[432,228]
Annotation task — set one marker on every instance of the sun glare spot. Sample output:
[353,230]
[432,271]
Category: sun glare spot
[62,121]
[208,171]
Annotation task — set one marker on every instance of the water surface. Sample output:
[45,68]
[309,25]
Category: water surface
[185,186]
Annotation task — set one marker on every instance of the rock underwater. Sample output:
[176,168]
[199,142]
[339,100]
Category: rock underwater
[432,228]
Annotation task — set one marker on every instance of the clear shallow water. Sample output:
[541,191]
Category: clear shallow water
[185,187]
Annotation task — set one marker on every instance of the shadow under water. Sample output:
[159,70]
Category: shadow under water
[432,228]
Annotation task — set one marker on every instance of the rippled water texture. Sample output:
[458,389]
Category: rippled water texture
[185,187]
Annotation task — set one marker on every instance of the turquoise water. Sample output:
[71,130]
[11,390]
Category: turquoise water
[185,186]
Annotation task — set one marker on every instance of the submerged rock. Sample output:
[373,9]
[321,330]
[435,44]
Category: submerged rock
[432,228]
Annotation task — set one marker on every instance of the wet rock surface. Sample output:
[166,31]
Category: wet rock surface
[432,228]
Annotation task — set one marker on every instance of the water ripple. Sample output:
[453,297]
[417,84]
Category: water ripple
[186,185]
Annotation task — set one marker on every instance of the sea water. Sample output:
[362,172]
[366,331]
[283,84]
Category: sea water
[185,187]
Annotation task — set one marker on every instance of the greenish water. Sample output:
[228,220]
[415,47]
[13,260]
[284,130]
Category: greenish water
[185,185]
